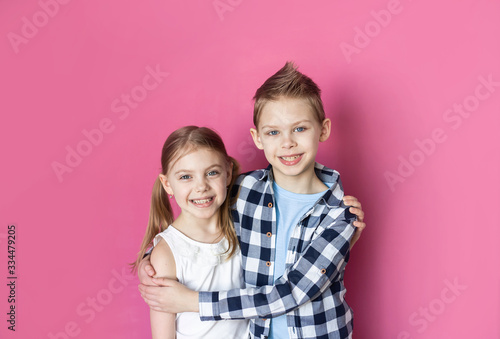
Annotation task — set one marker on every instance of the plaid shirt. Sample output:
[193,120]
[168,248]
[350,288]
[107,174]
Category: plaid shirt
[311,291]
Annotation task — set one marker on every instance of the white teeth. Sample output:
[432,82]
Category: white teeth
[202,201]
[290,158]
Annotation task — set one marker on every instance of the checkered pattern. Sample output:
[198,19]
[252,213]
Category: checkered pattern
[311,291]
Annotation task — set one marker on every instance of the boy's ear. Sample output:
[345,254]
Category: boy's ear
[166,184]
[256,138]
[326,128]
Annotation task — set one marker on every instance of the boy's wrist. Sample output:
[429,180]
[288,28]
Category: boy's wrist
[194,302]
[208,306]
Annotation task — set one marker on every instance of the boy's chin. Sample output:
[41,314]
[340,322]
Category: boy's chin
[290,171]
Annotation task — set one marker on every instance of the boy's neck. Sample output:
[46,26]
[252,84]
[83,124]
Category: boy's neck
[305,183]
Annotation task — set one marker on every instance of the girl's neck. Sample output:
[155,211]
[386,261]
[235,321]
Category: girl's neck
[201,230]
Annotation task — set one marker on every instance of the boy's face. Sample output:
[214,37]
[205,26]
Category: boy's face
[289,133]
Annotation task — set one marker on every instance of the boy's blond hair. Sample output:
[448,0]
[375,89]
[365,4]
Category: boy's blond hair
[288,82]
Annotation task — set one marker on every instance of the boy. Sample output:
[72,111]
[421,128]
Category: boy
[293,227]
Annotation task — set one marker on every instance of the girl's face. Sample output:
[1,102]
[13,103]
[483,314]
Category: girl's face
[198,181]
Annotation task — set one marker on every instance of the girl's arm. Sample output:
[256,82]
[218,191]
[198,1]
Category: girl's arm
[169,294]
[162,259]
[300,283]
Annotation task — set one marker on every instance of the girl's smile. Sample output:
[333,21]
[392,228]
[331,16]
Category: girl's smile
[205,202]
[198,180]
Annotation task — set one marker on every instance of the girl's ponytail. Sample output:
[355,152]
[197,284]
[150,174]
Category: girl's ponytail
[225,219]
[179,143]
[160,216]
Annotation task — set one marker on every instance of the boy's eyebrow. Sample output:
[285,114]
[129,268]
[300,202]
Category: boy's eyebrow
[292,124]
[301,121]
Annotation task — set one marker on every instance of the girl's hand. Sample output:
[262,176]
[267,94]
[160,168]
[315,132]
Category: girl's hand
[357,210]
[169,296]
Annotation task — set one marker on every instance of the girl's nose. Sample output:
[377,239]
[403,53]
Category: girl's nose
[202,184]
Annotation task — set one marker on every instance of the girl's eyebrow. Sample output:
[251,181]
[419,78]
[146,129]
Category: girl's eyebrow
[181,171]
[213,166]
[269,126]
[187,171]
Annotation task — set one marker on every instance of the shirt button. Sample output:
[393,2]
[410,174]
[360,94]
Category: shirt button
[270,205]
[323,271]
[269,234]
[268,263]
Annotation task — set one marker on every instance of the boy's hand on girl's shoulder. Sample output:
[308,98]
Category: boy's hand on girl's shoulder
[169,295]
[146,272]
[360,216]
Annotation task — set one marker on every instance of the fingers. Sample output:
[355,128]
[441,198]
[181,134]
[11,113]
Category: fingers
[351,201]
[153,296]
[146,272]
[358,212]
[150,270]
[148,293]
[165,282]
[154,293]
[360,226]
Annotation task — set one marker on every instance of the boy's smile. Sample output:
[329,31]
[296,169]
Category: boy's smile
[291,160]
[289,133]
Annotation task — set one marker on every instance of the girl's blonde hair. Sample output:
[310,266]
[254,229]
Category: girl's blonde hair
[179,143]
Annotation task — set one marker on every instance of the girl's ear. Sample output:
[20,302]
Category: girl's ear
[166,184]
[326,128]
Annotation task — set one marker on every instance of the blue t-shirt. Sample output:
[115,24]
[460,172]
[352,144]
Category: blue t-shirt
[290,207]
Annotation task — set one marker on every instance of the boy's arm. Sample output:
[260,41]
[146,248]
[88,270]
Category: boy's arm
[357,210]
[316,269]
[145,271]
[319,265]
[162,259]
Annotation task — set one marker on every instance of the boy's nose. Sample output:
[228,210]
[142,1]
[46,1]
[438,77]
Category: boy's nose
[287,142]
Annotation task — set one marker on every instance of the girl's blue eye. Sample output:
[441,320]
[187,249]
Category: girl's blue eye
[212,173]
[300,129]
[272,132]
[185,177]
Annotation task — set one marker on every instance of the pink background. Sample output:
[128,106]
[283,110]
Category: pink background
[392,75]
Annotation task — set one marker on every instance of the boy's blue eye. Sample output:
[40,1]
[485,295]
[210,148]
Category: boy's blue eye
[212,173]
[272,132]
[185,177]
[299,129]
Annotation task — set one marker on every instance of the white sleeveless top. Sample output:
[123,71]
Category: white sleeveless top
[202,267]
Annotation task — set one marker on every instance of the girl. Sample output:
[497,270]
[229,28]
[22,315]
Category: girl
[199,248]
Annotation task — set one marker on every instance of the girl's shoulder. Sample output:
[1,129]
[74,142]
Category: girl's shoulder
[163,260]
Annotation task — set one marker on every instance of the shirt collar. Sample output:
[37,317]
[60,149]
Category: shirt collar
[333,195]
[325,174]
